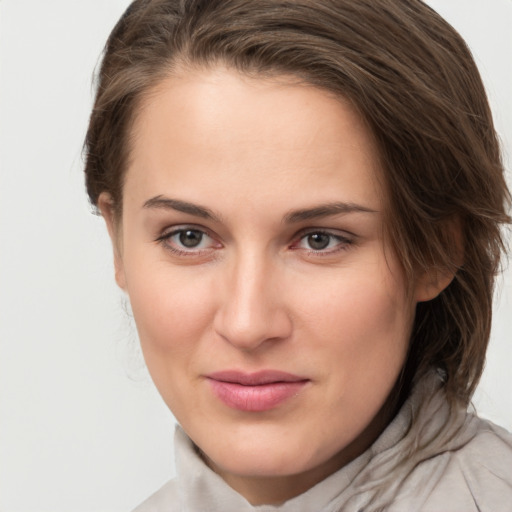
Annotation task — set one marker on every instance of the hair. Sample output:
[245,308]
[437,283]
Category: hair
[413,80]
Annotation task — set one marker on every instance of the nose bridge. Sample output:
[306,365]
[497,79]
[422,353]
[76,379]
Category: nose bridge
[251,312]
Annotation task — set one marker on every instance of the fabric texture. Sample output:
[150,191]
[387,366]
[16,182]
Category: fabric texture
[429,459]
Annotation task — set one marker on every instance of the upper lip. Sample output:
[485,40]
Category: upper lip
[255,378]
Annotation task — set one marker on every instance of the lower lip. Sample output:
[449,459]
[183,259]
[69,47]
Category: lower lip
[255,398]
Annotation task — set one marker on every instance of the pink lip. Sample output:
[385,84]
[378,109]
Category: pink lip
[255,392]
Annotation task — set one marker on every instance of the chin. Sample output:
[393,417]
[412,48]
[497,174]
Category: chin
[264,464]
[261,454]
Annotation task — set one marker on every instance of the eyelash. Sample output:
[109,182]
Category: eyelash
[343,244]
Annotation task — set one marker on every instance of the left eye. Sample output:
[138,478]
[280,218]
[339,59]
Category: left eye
[321,241]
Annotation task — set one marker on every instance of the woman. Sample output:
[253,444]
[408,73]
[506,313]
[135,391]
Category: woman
[304,200]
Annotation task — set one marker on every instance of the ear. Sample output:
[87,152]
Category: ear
[106,207]
[435,280]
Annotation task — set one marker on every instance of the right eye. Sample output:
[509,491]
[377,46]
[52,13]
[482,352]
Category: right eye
[187,240]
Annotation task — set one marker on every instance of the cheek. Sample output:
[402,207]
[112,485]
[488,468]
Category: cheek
[173,316]
[172,309]
[362,317]
[360,300]
[362,333]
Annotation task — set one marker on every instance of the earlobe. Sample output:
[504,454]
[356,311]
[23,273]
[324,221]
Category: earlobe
[432,283]
[106,207]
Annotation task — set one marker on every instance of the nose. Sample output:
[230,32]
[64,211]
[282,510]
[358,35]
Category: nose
[252,309]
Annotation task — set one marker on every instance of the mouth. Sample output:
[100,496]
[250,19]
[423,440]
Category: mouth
[255,392]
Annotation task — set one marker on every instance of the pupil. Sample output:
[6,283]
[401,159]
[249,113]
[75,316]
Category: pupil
[318,241]
[190,238]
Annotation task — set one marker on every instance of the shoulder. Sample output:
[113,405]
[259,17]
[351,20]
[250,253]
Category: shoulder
[489,451]
[166,498]
[475,476]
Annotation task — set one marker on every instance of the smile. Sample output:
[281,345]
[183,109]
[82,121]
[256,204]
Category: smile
[255,392]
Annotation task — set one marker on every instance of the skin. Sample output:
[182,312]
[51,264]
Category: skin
[254,295]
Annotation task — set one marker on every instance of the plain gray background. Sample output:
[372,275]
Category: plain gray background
[81,426]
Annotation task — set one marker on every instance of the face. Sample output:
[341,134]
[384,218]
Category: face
[272,314]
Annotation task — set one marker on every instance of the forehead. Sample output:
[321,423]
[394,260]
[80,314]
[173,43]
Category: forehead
[205,130]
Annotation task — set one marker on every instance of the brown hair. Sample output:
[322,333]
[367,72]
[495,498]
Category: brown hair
[411,77]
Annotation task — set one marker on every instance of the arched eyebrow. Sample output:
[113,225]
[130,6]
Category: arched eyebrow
[325,210]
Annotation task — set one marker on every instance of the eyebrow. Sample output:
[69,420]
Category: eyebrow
[325,210]
[166,203]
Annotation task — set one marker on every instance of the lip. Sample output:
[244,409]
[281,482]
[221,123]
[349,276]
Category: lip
[255,392]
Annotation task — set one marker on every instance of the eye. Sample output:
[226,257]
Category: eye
[318,241]
[323,242]
[188,240]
